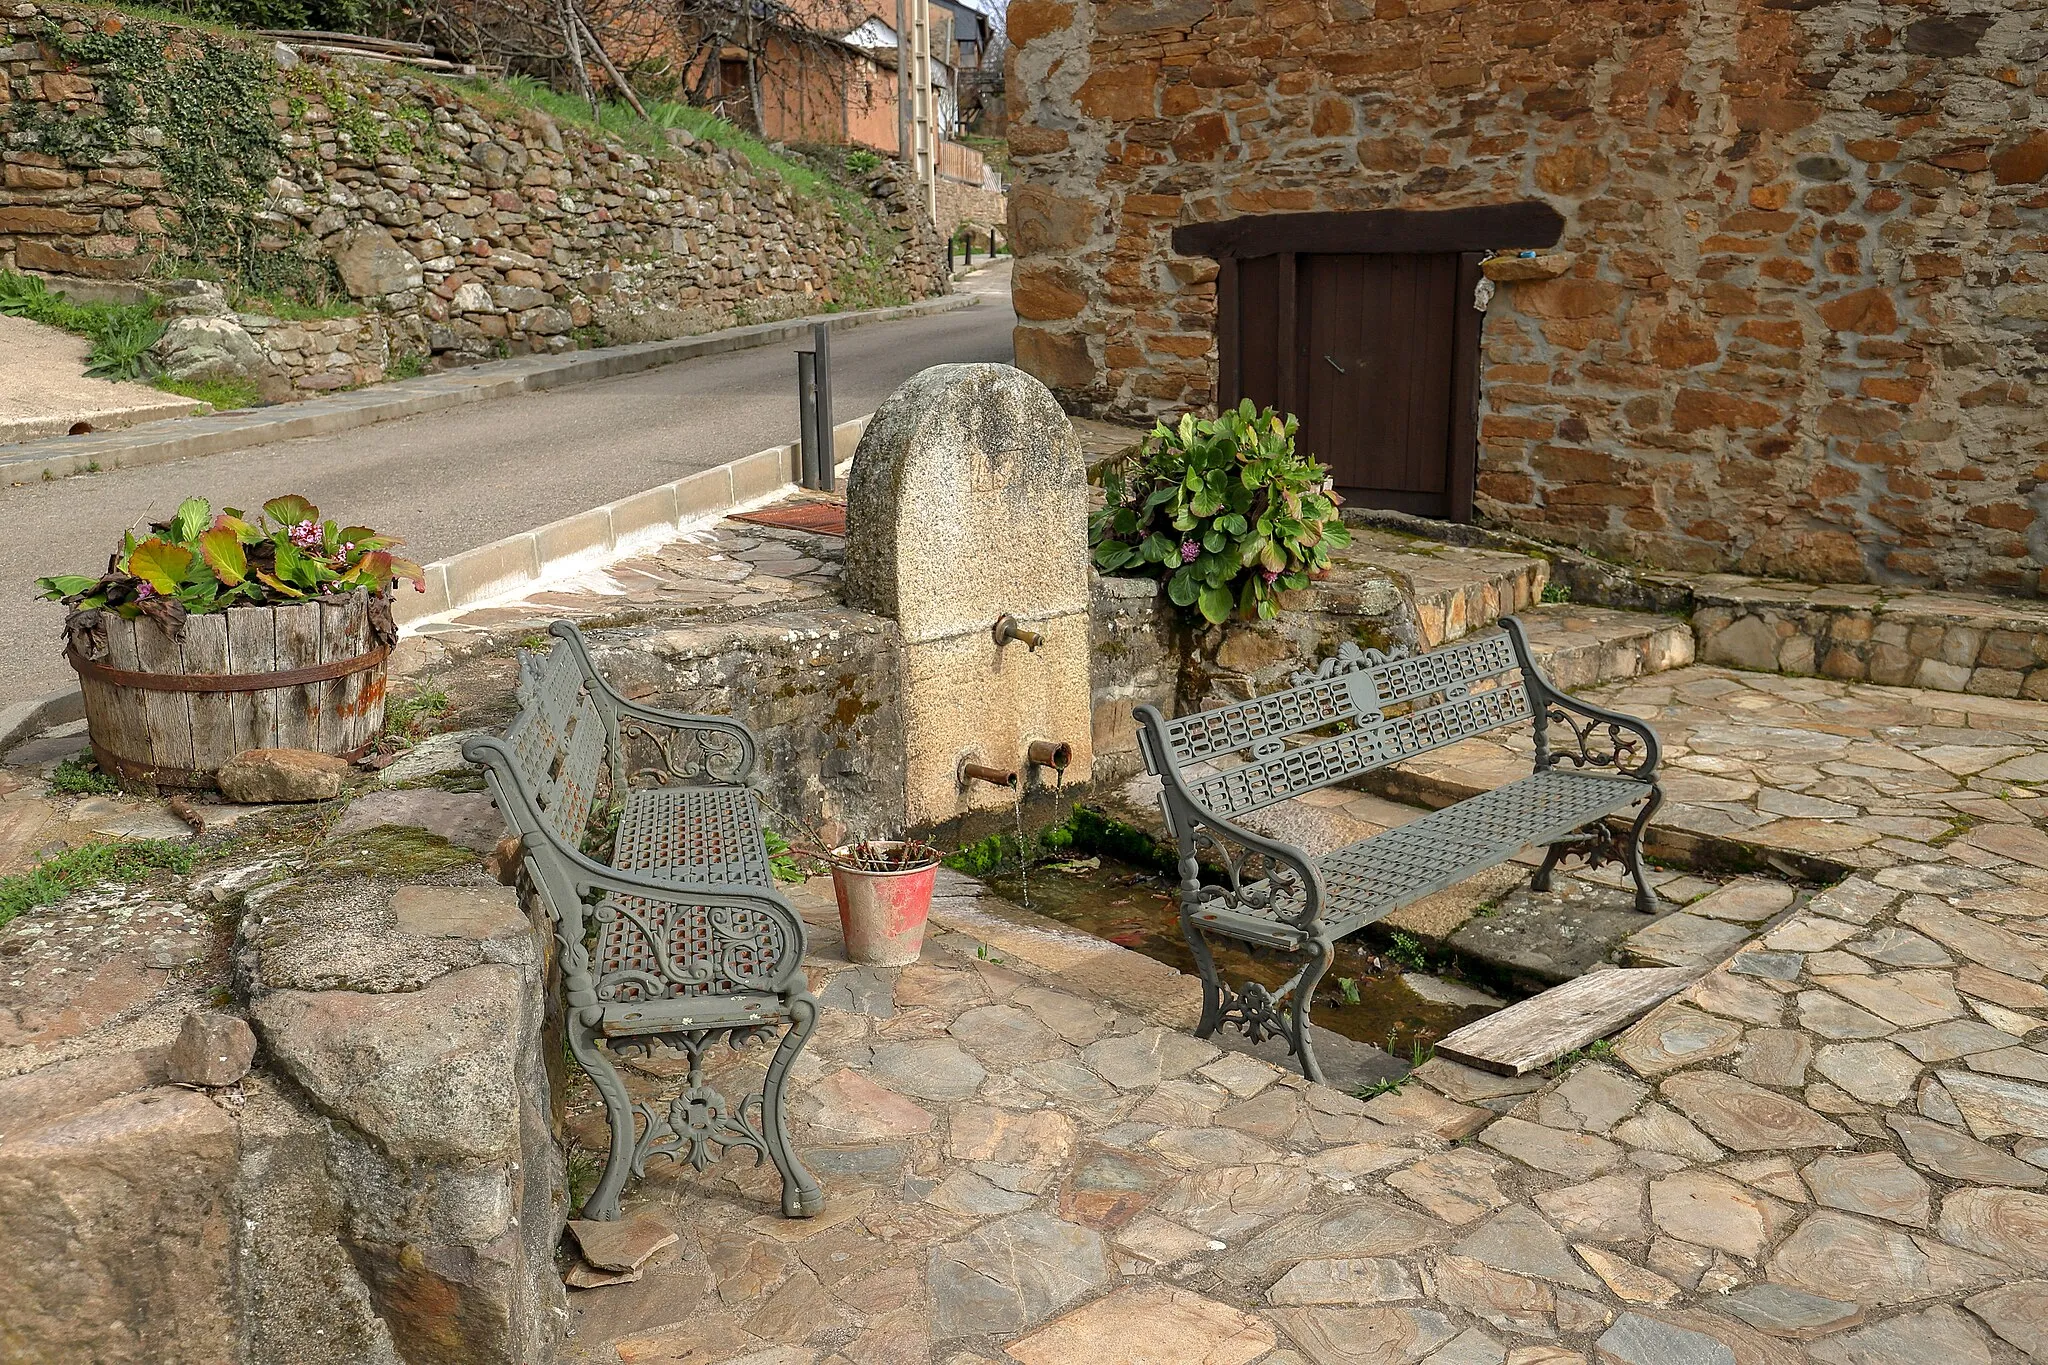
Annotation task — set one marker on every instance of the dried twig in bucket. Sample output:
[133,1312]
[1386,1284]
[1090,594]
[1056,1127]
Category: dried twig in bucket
[885,855]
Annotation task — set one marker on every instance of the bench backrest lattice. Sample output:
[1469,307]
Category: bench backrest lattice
[1362,710]
[558,741]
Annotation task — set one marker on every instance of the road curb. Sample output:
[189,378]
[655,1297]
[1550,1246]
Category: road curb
[190,437]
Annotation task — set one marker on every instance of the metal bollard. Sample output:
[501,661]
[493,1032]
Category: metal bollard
[807,414]
[821,406]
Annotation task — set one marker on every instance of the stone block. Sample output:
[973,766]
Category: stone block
[764,472]
[263,776]
[212,1049]
[425,1074]
[1995,682]
[121,1222]
[491,569]
[1941,677]
[703,495]
[585,533]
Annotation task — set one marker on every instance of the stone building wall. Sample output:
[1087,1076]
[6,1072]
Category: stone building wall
[1802,319]
[971,206]
[473,227]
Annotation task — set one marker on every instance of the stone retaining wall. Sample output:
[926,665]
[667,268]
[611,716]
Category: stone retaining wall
[1795,322]
[1947,643]
[465,226]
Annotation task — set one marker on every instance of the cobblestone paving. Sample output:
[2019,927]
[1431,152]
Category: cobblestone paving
[1832,1148]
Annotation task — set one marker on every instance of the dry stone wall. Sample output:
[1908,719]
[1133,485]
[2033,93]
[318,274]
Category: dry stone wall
[466,226]
[1802,322]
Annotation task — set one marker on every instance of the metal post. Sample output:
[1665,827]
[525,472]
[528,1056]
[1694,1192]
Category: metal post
[821,406]
[970,248]
[949,256]
[807,414]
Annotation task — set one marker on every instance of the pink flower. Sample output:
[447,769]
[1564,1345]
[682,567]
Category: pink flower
[306,536]
[143,592]
[1271,576]
[1188,550]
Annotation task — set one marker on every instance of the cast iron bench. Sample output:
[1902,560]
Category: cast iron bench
[682,938]
[1364,710]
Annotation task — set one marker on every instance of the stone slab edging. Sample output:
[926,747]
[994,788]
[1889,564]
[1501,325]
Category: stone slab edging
[518,564]
[190,437]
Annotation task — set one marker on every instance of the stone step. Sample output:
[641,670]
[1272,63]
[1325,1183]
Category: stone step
[1456,589]
[1579,647]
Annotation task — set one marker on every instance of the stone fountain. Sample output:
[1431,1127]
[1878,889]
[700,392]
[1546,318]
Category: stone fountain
[967,525]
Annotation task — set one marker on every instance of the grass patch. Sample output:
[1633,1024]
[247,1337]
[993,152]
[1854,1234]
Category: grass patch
[649,136]
[75,869]
[413,717]
[225,394]
[121,333]
[1600,1050]
[79,775]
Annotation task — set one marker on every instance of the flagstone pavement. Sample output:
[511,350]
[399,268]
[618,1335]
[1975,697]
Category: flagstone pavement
[1832,1148]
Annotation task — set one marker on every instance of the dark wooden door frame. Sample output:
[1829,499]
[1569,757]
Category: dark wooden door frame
[1471,232]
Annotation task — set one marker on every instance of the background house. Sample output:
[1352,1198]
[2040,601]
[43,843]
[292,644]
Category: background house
[1785,307]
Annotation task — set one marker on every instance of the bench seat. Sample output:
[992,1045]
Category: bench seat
[1378,875]
[693,834]
[1360,711]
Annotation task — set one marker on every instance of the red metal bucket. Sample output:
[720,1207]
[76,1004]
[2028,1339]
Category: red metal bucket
[883,913]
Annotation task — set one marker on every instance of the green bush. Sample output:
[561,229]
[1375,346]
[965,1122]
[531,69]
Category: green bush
[1224,510]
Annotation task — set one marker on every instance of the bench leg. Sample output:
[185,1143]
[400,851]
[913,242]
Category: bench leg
[1257,1012]
[603,1204]
[801,1197]
[1646,901]
[1212,984]
[1601,843]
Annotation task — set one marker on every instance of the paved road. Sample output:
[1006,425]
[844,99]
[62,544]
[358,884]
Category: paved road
[454,480]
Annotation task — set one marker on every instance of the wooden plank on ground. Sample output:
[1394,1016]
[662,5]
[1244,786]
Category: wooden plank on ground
[1536,1032]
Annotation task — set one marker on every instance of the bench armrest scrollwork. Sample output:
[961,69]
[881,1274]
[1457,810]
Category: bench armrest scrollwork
[1598,737]
[683,747]
[1258,874]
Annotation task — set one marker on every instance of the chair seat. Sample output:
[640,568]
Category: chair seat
[693,834]
[1374,877]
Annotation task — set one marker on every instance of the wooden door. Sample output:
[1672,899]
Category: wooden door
[1377,353]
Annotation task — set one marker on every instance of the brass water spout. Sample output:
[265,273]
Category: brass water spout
[1048,753]
[970,771]
[1007,629]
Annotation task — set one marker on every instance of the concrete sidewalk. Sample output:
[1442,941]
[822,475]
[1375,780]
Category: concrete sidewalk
[44,390]
[185,437]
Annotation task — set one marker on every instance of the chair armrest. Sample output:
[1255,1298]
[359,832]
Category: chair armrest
[625,713]
[1600,738]
[1239,852]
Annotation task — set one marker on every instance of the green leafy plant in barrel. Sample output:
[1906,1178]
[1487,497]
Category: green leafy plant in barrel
[198,562]
[1224,510]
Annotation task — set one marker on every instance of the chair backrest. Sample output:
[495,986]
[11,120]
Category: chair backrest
[1360,710]
[557,742]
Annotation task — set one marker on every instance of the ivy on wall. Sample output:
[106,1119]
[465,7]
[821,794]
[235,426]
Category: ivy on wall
[201,104]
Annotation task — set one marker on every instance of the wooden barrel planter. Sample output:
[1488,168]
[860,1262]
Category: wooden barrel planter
[172,708]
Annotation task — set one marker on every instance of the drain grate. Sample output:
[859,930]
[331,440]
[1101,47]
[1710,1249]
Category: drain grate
[821,516]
